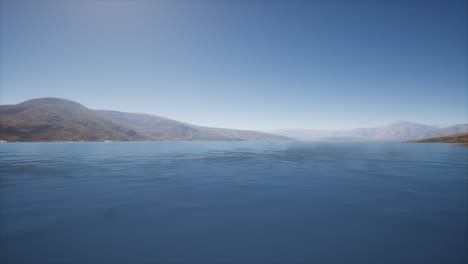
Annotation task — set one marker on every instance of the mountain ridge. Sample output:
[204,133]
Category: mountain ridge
[56,119]
[401,130]
[151,125]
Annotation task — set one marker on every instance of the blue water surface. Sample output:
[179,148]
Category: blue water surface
[233,202]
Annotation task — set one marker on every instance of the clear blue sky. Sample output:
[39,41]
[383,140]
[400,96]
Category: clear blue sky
[243,64]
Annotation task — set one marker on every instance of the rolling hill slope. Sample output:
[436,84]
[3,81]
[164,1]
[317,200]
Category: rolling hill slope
[54,119]
[161,128]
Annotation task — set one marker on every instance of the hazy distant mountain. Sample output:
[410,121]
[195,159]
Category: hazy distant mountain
[445,124]
[54,119]
[457,129]
[160,128]
[397,131]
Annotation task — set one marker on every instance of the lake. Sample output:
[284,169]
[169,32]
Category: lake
[233,202]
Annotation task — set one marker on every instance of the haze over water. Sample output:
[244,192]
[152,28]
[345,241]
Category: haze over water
[233,202]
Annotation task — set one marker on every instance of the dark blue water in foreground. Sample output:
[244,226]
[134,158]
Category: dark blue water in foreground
[233,202]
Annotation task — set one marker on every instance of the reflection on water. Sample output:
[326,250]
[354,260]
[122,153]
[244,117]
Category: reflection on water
[235,202]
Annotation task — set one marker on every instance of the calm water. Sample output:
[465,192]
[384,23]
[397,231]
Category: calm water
[233,202]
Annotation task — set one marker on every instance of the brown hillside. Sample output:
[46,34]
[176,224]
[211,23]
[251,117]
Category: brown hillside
[457,138]
[53,119]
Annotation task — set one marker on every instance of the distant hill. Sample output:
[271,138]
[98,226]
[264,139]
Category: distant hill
[397,131]
[161,128]
[457,138]
[54,119]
